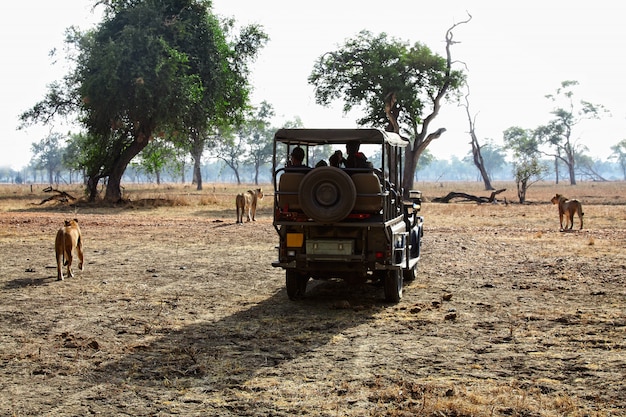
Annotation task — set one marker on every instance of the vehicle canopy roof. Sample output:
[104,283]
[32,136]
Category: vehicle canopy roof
[338,136]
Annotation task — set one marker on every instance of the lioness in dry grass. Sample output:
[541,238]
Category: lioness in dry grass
[567,208]
[67,240]
[246,203]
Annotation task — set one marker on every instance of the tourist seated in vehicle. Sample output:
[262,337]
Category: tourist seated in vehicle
[355,158]
[337,159]
[296,158]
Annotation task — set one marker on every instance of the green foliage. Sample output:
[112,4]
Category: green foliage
[557,134]
[150,66]
[259,135]
[230,148]
[619,153]
[48,155]
[250,143]
[367,68]
[375,72]
[527,167]
[159,155]
[494,157]
[142,69]
[426,158]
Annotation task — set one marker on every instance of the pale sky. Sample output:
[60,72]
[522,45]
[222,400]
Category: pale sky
[515,54]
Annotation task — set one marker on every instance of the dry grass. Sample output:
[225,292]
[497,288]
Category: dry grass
[178,312]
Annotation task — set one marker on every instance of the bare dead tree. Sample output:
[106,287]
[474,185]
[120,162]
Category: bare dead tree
[423,138]
[477,156]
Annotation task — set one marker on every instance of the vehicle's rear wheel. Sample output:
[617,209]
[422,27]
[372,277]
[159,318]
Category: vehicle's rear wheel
[393,285]
[410,274]
[296,284]
[416,243]
[327,194]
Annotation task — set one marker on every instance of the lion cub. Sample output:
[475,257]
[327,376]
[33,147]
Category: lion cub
[567,208]
[246,203]
[68,239]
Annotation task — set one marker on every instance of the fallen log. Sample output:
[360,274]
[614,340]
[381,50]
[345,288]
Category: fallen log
[60,196]
[468,197]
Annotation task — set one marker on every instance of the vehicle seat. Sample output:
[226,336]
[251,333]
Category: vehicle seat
[368,193]
[288,186]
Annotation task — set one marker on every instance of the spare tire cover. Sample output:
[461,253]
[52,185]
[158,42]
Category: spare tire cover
[327,194]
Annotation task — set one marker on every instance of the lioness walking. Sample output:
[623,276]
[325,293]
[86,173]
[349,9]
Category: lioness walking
[567,208]
[67,241]
[246,203]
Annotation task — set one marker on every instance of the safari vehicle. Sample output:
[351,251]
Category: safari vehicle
[344,223]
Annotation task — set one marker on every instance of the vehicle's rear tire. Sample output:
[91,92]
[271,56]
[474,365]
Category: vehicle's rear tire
[410,274]
[295,284]
[393,285]
[327,194]
[416,243]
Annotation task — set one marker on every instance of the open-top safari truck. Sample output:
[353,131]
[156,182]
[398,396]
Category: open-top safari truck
[344,222]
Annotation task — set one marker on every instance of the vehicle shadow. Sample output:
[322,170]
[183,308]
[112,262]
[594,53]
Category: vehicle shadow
[227,352]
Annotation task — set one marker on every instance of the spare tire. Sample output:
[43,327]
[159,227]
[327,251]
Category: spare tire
[327,194]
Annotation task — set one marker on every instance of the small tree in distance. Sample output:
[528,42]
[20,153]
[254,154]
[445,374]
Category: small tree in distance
[619,153]
[558,132]
[259,135]
[48,156]
[527,167]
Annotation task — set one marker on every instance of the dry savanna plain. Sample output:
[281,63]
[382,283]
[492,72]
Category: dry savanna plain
[178,311]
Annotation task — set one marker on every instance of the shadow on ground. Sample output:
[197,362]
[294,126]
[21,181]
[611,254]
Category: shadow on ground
[227,352]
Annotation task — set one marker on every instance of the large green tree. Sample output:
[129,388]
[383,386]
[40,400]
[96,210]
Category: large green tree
[369,68]
[150,66]
[557,134]
[230,102]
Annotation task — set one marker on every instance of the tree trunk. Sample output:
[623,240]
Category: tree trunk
[480,164]
[413,153]
[197,175]
[411,156]
[92,187]
[522,186]
[478,158]
[197,148]
[572,173]
[114,190]
[556,168]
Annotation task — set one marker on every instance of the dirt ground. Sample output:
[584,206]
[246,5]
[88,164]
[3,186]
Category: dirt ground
[179,312]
